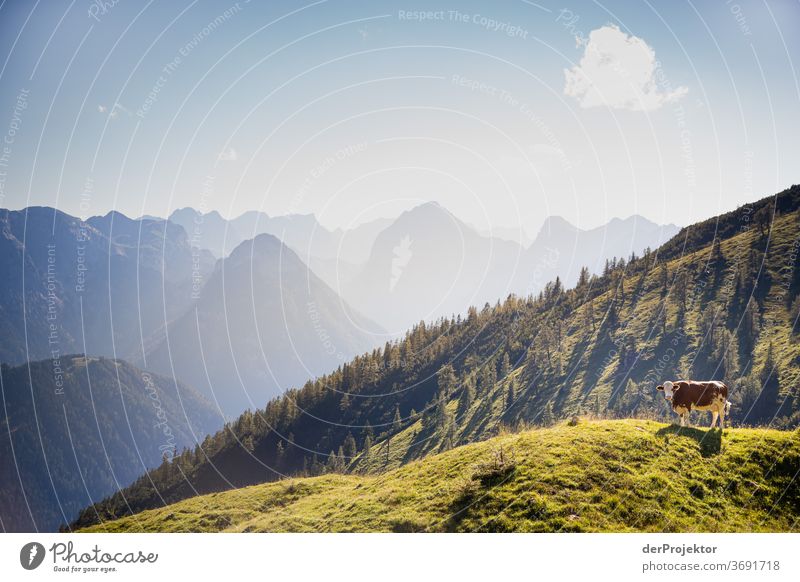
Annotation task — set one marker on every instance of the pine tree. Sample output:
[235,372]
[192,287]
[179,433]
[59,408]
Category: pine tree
[467,396]
[333,463]
[448,435]
[442,414]
[548,416]
[794,314]
[397,422]
[349,447]
[751,326]
[598,408]
[446,380]
[588,317]
[487,378]
[583,278]
[511,393]
[663,278]
[681,295]
[316,467]
[368,432]
[505,366]
[768,402]
[716,257]
[763,219]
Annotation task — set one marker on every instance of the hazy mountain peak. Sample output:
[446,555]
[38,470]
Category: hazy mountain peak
[632,219]
[183,211]
[557,223]
[263,242]
[429,211]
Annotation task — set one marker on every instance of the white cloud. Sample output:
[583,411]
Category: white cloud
[619,71]
[228,155]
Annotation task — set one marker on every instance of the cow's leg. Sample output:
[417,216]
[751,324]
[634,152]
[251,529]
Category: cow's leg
[722,417]
[683,419]
[714,415]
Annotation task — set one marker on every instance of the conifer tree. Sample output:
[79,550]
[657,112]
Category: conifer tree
[446,379]
[397,422]
[768,401]
[349,447]
[663,278]
[367,446]
[548,416]
[505,366]
[511,393]
[583,278]
[467,396]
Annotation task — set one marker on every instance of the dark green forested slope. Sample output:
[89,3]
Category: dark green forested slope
[75,429]
[720,300]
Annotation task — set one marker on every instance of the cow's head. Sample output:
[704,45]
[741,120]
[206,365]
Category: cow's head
[669,389]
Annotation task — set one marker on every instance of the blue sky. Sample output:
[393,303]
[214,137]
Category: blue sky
[353,110]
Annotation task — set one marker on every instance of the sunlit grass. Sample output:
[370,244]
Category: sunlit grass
[625,475]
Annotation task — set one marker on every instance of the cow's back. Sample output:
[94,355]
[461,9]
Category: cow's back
[692,393]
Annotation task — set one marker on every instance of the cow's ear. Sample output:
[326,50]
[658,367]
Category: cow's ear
[659,387]
[675,387]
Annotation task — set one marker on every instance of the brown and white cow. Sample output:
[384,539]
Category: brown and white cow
[687,395]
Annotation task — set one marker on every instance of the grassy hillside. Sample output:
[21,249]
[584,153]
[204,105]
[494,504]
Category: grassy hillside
[626,475]
[721,300]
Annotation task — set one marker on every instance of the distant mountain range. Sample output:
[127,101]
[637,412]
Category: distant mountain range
[426,263]
[117,287]
[99,287]
[561,249]
[287,299]
[77,429]
[300,232]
